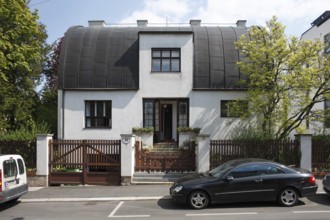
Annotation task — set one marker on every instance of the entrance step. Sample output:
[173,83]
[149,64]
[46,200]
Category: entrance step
[145,178]
[166,146]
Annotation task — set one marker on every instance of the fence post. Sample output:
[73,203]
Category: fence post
[203,153]
[127,158]
[43,158]
[305,141]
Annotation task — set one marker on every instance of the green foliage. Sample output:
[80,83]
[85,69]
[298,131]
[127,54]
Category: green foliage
[286,78]
[250,133]
[47,108]
[25,134]
[143,130]
[321,137]
[22,52]
[188,129]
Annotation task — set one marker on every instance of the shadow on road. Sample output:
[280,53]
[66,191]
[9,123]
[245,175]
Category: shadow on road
[320,199]
[8,205]
[171,205]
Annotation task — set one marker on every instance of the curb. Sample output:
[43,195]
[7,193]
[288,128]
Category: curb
[101,199]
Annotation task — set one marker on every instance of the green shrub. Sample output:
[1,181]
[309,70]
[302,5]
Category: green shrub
[142,130]
[248,132]
[188,129]
[25,134]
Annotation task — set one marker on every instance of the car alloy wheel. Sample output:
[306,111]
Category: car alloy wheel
[198,200]
[288,197]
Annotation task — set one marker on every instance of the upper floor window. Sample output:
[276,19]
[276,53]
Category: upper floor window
[98,114]
[165,60]
[327,43]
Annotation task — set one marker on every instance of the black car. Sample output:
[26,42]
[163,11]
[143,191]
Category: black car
[326,183]
[245,180]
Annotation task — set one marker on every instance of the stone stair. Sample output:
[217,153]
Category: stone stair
[165,147]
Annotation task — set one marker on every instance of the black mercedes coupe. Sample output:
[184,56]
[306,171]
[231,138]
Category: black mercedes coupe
[245,180]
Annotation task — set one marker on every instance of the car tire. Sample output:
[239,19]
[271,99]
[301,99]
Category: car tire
[288,197]
[198,199]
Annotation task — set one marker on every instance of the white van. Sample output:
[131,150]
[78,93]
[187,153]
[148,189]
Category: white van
[13,180]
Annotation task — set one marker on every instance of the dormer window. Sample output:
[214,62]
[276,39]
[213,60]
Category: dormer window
[166,60]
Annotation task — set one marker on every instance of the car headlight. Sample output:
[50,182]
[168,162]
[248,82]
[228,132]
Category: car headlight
[177,189]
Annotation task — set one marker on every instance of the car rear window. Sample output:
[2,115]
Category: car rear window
[9,168]
[21,166]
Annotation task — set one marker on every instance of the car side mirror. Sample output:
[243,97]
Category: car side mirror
[229,178]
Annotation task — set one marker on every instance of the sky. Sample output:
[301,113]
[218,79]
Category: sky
[59,15]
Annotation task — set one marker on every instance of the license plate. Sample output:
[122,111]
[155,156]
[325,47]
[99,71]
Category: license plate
[10,184]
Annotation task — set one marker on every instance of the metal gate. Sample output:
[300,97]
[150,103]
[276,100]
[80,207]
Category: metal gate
[84,162]
[165,161]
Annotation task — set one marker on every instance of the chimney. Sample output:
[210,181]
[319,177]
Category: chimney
[195,23]
[142,23]
[241,23]
[97,23]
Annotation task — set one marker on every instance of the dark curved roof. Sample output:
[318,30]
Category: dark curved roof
[108,57]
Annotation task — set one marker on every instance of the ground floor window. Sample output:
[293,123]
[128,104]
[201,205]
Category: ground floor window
[327,114]
[98,114]
[227,108]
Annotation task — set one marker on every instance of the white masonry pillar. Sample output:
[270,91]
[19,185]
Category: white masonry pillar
[203,153]
[127,158]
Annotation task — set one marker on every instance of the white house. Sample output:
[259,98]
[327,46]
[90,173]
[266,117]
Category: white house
[112,79]
[320,30]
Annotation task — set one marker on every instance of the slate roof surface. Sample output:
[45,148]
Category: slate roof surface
[108,57]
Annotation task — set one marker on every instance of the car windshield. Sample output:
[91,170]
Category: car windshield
[221,170]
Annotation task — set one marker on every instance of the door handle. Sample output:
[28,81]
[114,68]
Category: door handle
[258,180]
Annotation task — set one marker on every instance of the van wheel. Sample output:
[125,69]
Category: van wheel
[288,197]
[198,200]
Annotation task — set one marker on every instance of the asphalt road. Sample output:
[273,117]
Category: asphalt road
[316,208]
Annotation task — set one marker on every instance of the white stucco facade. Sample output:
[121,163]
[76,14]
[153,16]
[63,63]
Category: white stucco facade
[318,31]
[127,106]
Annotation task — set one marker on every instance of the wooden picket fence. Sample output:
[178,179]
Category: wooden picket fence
[283,151]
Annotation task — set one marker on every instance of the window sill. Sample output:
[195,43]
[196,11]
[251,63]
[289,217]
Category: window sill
[164,72]
[93,128]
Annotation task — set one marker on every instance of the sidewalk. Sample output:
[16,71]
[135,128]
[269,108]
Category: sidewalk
[96,193]
[104,193]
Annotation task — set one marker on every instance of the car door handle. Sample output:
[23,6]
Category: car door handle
[258,180]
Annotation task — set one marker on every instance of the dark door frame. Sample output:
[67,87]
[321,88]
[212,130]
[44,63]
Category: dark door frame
[158,115]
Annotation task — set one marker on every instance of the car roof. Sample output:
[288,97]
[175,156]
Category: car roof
[237,162]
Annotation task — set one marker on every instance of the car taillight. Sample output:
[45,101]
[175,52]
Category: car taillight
[0,181]
[311,179]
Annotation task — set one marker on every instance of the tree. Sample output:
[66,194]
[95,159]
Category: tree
[22,49]
[47,108]
[286,78]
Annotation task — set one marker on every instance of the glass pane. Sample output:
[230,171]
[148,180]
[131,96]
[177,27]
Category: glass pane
[165,53]
[88,109]
[175,53]
[175,65]
[166,65]
[9,168]
[327,104]
[156,53]
[155,65]
[148,114]
[88,122]
[20,166]
[99,122]
[99,109]
[108,109]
